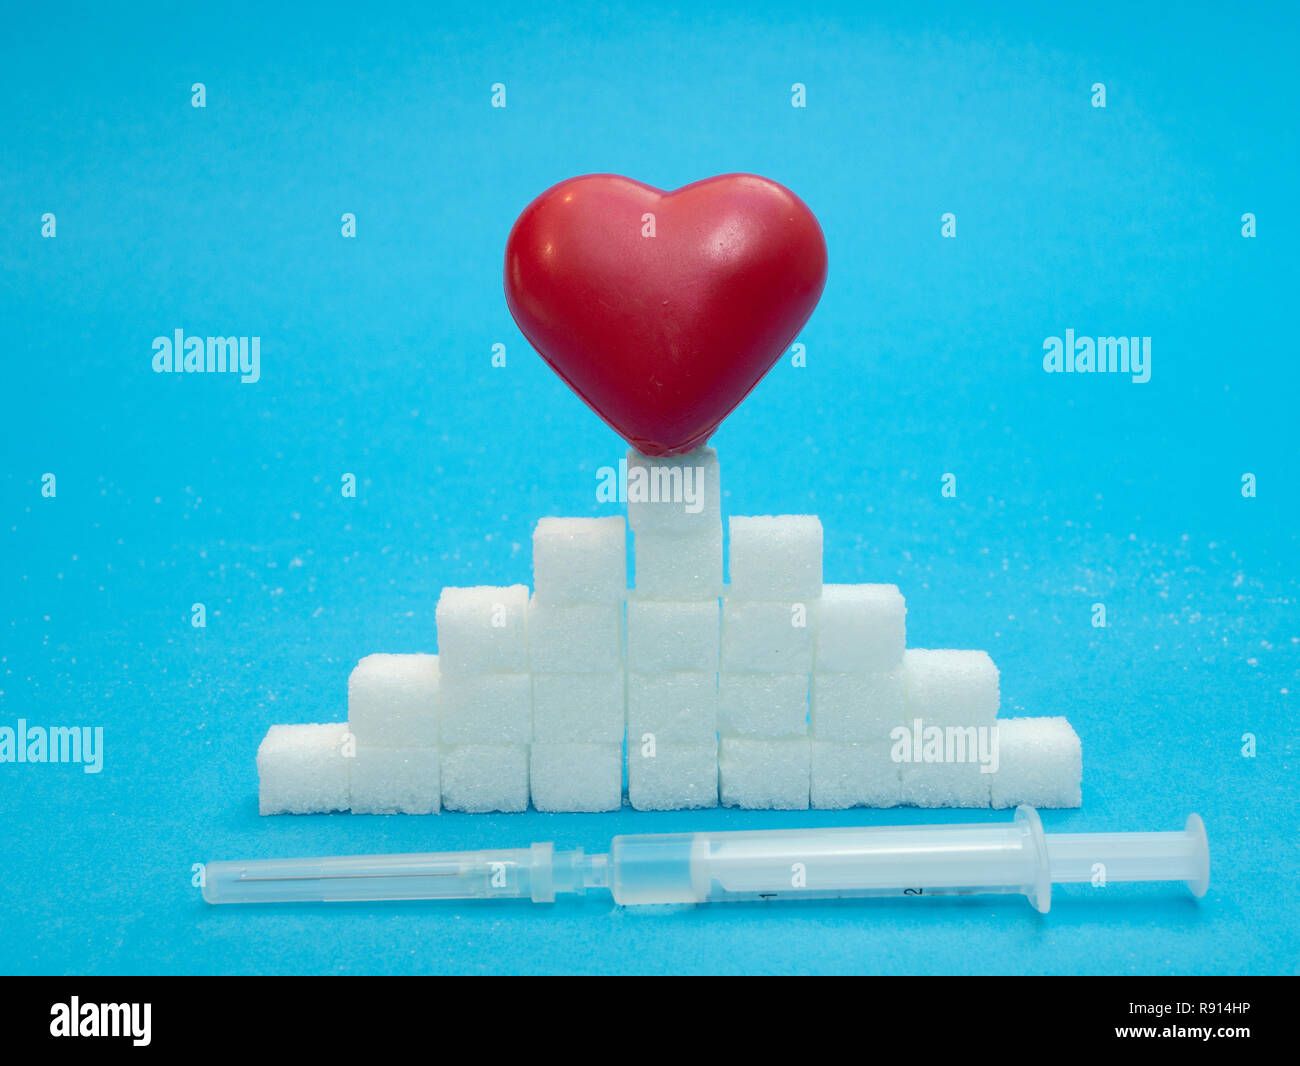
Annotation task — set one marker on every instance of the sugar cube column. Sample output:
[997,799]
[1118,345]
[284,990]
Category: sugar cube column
[485,697]
[575,637]
[769,617]
[857,696]
[950,707]
[674,507]
[393,718]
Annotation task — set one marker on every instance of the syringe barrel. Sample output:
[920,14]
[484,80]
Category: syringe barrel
[832,863]
[501,874]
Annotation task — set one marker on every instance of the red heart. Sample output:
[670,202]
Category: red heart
[662,336]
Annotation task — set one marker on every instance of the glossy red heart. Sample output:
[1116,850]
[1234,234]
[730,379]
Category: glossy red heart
[664,335]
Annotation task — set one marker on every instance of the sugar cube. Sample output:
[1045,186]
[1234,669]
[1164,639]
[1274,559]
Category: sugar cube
[483,629]
[1040,762]
[576,777]
[673,565]
[579,708]
[575,638]
[776,557]
[678,492]
[860,707]
[669,775]
[486,709]
[764,774]
[664,635]
[681,705]
[944,688]
[763,705]
[853,775]
[393,701]
[395,781]
[580,560]
[860,627]
[944,784]
[303,769]
[767,636]
[945,766]
[485,777]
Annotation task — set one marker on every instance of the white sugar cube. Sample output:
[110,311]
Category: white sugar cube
[673,565]
[944,688]
[303,769]
[664,635]
[944,766]
[776,557]
[486,709]
[853,775]
[1040,762]
[395,781]
[764,774]
[672,706]
[860,627]
[678,492]
[860,707]
[485,777]
[575,638]
[576,777]
[763,705]
[669,775]
[944,784]
[483,629]
[580,560]
[393,701]
[767,636]
[579,708]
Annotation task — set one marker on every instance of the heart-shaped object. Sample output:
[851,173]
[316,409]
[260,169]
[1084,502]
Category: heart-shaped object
[662,310]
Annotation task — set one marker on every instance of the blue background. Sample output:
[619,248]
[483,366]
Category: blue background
[924,358]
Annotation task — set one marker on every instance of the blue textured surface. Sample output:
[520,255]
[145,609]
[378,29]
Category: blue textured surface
[924,358]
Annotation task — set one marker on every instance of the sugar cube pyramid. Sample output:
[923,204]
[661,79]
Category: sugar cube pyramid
[774,691]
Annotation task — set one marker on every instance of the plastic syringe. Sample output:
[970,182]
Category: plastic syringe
[773,864]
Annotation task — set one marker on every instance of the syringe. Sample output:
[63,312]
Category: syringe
[830,863]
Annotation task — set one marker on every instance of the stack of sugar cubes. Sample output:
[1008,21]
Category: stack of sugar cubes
[385,759]
[675,511]
[773,691]
[769,620]
[575,637]
[857,696]
[485,702]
